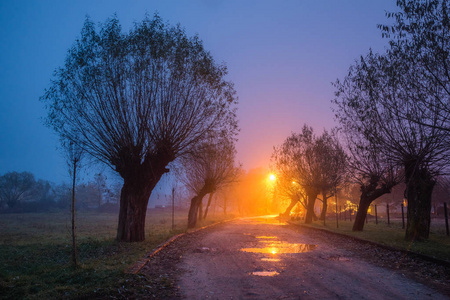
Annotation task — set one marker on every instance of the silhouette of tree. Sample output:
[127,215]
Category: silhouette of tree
[372,101]
[209,167]
[371,170]
[74,156]
[136,101]
[332,161]
[420,43]
[308,165]
[15,187]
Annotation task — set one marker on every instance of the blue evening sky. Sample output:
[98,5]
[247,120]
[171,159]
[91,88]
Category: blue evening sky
[282,56]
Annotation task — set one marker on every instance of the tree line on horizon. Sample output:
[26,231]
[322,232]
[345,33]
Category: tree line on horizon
[21,192]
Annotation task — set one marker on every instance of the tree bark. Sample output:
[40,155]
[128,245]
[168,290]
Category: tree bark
[194,209]
[287,212]
[364,204]
[133,209]
[419,187]
[311,196]
[368,195]
[200,210]
[207,205]
[139,180]
[193,212]
[324,205]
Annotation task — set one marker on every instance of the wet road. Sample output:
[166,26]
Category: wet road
[260,258]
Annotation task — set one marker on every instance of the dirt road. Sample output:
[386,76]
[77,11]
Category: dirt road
[262,259]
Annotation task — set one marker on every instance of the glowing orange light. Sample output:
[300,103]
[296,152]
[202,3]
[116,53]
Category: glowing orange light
[272,177]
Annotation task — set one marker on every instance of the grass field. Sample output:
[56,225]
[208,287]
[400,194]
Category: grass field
[437,246]
[35,252]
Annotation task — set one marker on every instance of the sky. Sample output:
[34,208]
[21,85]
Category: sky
[282,56]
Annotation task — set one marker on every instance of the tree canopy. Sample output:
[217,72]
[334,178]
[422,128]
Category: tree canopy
[136,101]
[397,101]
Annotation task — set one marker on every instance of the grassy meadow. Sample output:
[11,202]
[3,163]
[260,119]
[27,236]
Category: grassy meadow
[35,253]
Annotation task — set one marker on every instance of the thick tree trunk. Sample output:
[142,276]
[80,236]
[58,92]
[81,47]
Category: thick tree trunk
[207,206]
[368,194]
[200,209]
[193,212]
[194,209]
[419,187]
[324,205]
[311,198]
[287,212]
[133,209]
[361,215]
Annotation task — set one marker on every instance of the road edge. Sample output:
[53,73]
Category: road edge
[407,252]
[137,266]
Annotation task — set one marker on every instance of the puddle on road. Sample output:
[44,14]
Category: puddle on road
[281,248]
[265,273]
[270,259]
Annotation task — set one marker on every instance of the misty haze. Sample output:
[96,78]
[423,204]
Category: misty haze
[225,149]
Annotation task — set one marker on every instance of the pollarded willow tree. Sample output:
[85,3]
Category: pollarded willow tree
[287,187]
[136,101]
[332,161]
[370,169]
[311,164]
[207,168]
[372,100]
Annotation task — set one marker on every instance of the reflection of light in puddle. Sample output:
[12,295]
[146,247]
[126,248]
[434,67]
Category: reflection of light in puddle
[270,259]
[265,273]
[282,248]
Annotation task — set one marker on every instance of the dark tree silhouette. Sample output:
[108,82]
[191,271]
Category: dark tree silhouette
[372,101]
[15,187]
[74,156]
[332,161]
[311,164]
[136,101]
[209,167]
[371,170]
[288,188]
[420,41]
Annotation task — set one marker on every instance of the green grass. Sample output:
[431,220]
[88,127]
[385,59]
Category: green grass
[35,252]
[437,246]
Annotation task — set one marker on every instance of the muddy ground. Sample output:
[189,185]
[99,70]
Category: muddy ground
[261,258]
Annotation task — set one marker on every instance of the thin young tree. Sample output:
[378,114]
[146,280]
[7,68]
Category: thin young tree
[74,156]
[136,101]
